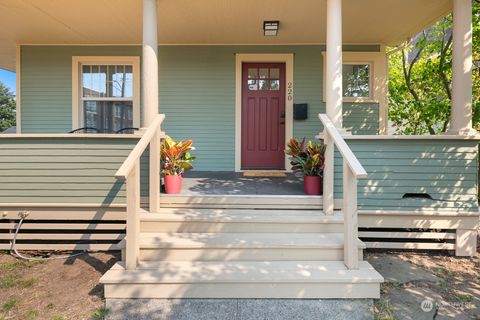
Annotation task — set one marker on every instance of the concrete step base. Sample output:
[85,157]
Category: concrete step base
[239,309]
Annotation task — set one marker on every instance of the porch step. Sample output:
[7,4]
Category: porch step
[241,201]
[239,221]
[242,246]
[244,279]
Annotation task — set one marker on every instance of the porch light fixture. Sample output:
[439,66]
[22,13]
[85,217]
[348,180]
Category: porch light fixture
[270,28]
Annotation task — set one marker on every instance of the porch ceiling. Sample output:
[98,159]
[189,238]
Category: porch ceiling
[207,22]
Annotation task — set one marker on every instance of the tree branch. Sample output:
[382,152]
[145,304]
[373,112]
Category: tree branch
[443,54]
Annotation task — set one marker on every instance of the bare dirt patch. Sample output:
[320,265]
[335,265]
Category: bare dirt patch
[451,283]
[69,289]
[55,289]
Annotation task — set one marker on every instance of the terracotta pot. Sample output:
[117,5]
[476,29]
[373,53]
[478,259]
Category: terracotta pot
[173,184]
[312,185]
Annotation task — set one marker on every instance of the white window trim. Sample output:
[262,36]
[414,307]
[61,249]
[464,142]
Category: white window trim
[378,81]
[286,58]
[77,61]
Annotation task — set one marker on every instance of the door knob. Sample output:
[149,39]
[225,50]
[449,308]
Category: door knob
[282,114]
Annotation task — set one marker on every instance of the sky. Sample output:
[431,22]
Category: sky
[8,79]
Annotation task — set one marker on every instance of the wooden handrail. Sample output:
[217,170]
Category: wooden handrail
[130,173]
[352,171]
[343,148]
[136,153]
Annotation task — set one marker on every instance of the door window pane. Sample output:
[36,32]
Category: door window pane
[356,80]
[263,73]
[252,85]
[263,85]
[275,85]
[252,73]
[274,73]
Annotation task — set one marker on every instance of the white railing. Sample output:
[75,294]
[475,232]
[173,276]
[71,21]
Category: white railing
[130,173]
[352,171]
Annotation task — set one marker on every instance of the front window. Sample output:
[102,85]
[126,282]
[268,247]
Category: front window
[107,96]
[356,80]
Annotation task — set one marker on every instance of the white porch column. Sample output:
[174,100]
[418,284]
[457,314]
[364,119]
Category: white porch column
[333,94]
[149,63]
[334,91]
[461,118]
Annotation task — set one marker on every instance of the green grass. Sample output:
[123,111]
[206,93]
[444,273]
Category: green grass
[100,314]
[26,283]
[11,266]
[383,310]
[14,280]
[386,287]
[32,314]
[9,281]
[57,318]
[7,306]
[50,306]
[464,298]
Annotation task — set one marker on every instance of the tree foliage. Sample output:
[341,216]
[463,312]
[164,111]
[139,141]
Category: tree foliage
[420,79]
[7,108]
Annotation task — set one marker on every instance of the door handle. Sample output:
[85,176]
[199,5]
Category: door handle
[282,114]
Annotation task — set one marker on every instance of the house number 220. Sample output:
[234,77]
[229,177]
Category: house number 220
[289,91]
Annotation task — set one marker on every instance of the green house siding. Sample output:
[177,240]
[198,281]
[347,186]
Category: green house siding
[197,93]
[46,84]
[62,170]
[445,170]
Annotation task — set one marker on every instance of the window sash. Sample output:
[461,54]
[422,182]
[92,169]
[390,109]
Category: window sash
[370,81]
[104,84]
[92,74]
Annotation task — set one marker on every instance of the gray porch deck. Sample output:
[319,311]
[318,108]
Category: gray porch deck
[235,183]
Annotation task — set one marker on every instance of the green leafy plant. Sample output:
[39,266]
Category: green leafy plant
[175,156]
[100,314]
[308,159]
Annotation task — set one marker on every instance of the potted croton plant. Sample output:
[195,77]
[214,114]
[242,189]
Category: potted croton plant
[175,159]
[309,160]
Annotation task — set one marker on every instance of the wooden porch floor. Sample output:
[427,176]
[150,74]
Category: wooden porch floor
[235,183]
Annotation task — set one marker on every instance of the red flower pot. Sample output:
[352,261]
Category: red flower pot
[312,185]
[173,183]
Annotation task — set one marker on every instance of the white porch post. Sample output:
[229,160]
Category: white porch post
[461,118]
[333,94]
[333,79]
[149,63]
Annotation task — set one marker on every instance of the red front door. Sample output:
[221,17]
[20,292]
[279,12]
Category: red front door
[263,116]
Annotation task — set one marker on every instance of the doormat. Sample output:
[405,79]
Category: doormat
[264,174]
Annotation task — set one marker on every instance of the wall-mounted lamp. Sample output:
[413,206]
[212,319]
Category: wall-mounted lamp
[270,28]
